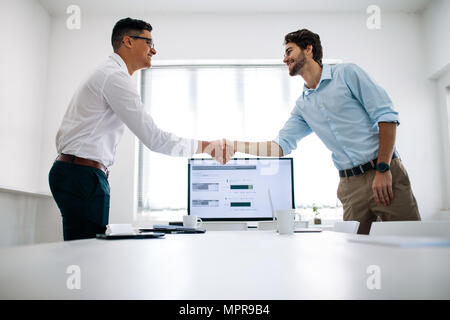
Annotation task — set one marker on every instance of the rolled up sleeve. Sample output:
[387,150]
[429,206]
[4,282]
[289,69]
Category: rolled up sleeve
[372,97]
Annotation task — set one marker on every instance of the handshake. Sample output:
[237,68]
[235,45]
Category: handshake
[221,150]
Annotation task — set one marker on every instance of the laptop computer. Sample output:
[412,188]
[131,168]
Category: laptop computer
[244,189]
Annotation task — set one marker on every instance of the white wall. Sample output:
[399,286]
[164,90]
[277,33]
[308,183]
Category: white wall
[436,22]
[443,98]
[394,55]
[30,216]
[25,31]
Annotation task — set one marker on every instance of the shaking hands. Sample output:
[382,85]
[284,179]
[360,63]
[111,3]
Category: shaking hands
[221,150]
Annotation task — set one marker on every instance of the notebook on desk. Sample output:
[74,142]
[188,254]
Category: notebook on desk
[240,190]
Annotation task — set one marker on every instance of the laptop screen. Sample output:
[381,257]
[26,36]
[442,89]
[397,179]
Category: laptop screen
[243,189]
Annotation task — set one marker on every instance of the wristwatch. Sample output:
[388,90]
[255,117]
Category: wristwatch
[382,167]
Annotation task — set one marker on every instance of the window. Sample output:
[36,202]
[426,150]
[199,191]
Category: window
[242,102]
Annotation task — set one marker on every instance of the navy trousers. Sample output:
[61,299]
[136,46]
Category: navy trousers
[82,196]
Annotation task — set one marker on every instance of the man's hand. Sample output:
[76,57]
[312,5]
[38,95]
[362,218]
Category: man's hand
[382,188]
[220,150]
[228,149]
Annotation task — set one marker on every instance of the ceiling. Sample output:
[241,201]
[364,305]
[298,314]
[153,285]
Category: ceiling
[143,7]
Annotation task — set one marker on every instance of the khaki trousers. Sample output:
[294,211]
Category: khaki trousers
[359,204]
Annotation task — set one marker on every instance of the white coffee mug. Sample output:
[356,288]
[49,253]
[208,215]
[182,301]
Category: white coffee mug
[191,221]
[286,221]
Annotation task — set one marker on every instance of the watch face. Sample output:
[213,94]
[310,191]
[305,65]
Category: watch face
[382,167]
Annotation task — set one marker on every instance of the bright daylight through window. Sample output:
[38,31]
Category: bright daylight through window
[242,102]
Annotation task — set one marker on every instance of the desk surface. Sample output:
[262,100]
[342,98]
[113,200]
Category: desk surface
[225,265]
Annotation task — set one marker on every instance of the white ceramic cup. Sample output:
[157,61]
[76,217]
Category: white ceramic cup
[191,221]
[286,221]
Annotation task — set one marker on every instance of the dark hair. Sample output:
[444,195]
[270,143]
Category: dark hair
[124,27]
[303,38]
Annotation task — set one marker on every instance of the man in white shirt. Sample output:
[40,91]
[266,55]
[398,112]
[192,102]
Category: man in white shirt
[93,125]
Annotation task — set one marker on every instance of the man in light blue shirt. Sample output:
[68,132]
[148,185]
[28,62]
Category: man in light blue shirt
[344,110]
[355,119]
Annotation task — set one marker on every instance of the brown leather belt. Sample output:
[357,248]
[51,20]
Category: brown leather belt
[83,162]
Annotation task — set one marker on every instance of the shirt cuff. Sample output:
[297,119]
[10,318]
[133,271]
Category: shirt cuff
[195,143]
[388,117]
[181,147]
[283,145]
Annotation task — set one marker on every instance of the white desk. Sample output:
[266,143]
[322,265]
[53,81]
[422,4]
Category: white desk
[224,265]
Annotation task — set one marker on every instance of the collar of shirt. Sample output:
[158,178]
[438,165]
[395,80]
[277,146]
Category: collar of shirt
[326,75]
[118,59]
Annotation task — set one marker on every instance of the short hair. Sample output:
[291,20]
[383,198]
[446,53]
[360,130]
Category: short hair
[303,38]
[126,26]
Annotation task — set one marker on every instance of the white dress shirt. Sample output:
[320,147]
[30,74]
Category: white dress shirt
[98,112]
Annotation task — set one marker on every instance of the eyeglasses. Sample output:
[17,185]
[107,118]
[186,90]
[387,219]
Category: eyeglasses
[148,40]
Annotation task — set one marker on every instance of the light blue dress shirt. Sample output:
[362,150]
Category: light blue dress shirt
[344,111]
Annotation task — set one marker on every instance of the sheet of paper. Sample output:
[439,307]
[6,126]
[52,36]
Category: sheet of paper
[119,229]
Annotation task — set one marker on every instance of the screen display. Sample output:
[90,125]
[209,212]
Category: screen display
[242,189]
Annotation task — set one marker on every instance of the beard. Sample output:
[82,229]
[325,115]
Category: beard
[299,63]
